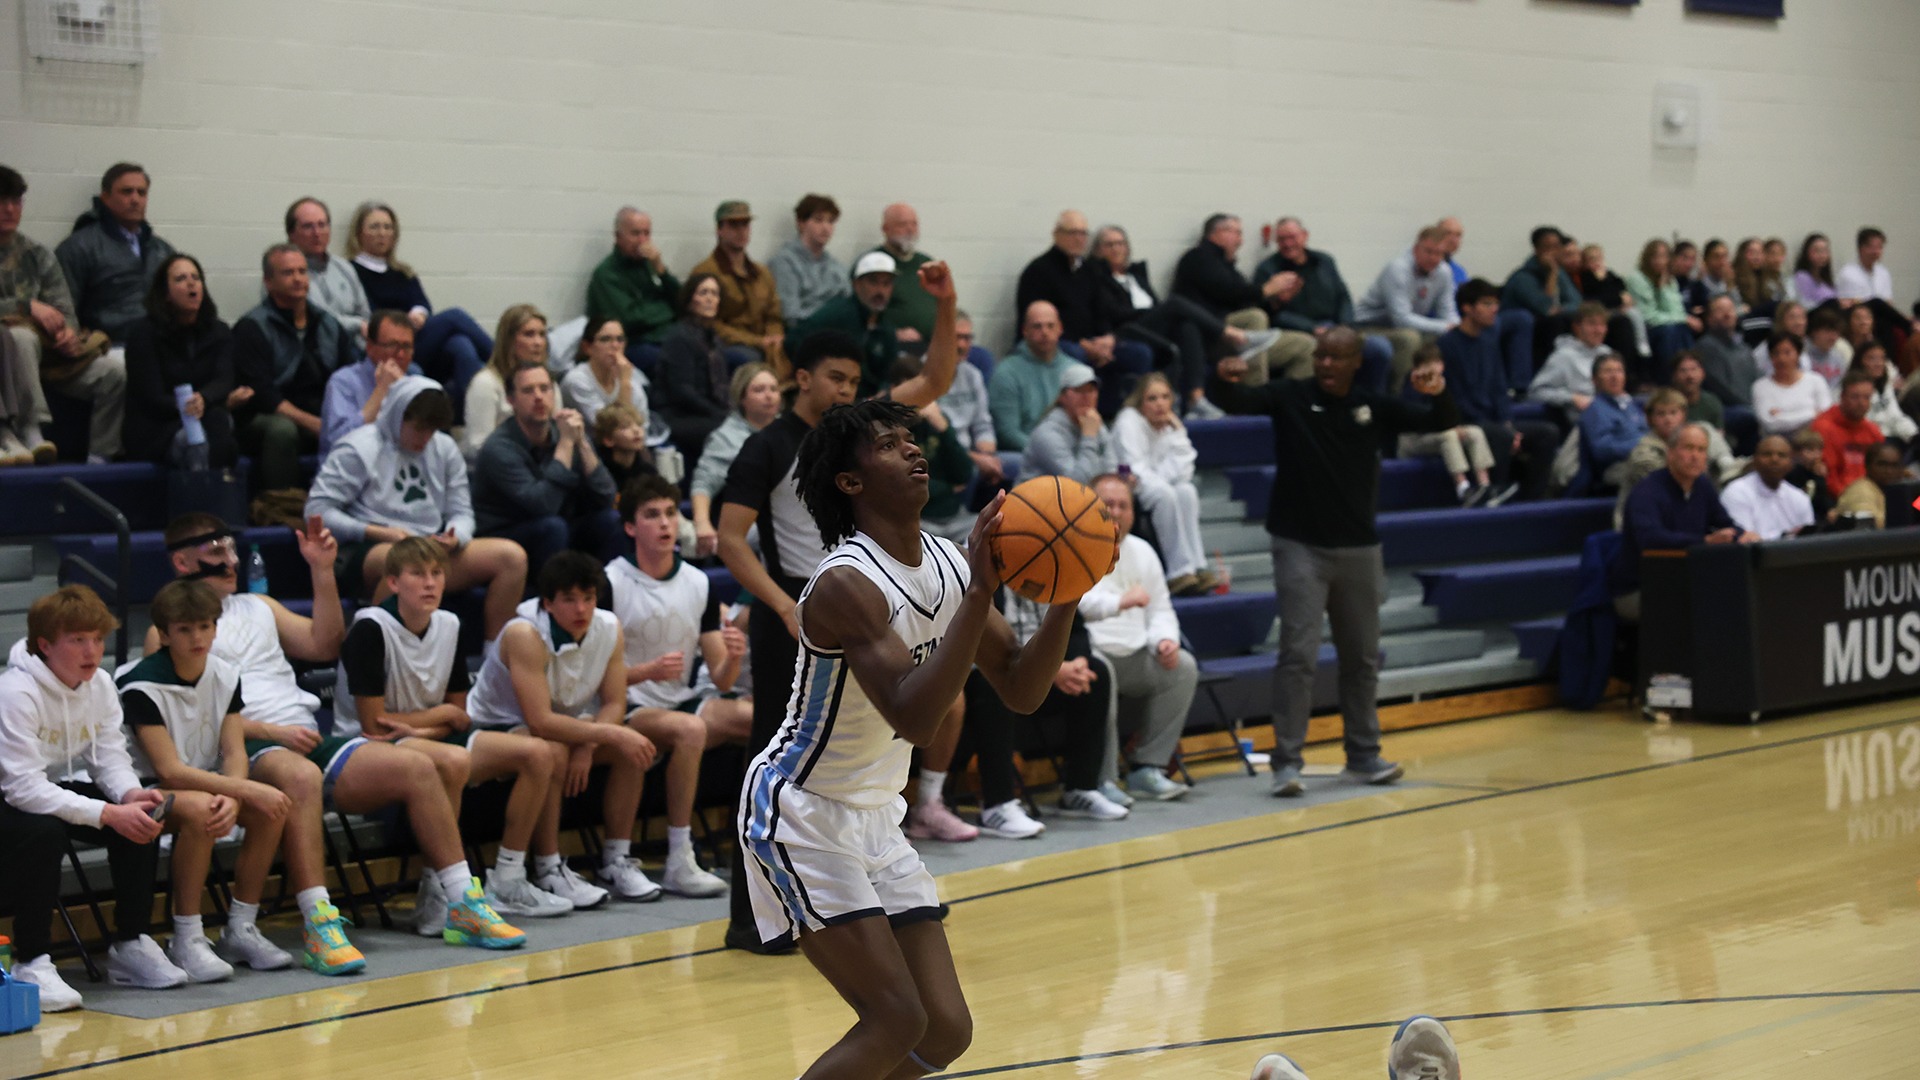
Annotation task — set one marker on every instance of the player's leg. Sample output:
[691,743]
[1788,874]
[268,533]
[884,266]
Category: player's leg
[619,870]
[190,822]
[949,1028]
[494,755]
[500,565]
[684,739]
[728,720]
[550,872]
[324,945]
[863,962]
[929,818]
[452,764]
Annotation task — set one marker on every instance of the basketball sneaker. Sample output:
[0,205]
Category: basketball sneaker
[55,994]
[1009,821]
[473,922]
[1090,804]
[571,887]
[1152,783]
[141,963]
[1115,794]
[193,954]
[1286,782]
[243,943]
[1377,771]
[683,876]
[513,894]
[430,906]
[325,949]
[933,821]
[1277,1067]
[628,881]
[1422,1050]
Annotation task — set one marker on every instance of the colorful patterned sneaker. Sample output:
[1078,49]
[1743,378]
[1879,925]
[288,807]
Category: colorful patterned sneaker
[472,922]
[326,948]
[1422,1050]
[1277,1067]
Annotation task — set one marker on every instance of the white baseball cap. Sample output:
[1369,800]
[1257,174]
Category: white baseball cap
[874,262]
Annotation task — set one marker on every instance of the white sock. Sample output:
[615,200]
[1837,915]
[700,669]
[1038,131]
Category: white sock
[1461,485]
[30,434]
[186,926]
[510,863]
[546,864]
[310,900]
[679,840]
[240,913]
[616,852]
[455,879]
[931,785]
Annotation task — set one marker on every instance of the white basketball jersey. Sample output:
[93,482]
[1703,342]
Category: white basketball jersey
[833,741]
[250,641]
[419,666]
[660,615]
[574,670]
[194,713]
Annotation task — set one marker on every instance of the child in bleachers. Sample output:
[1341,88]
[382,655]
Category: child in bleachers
[401,679]
[1464,449]
[620,434]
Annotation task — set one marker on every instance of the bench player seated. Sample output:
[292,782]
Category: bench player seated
[256,636]
[401,680]
[185,708]
[66,775]
[560,674]
[669,615]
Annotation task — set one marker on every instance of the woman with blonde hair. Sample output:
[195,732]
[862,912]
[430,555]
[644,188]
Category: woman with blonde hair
[755,393]
[520,341]
[1151,441]
[448,345]
[1659,297]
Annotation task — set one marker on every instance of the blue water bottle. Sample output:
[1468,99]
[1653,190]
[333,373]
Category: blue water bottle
[256,571]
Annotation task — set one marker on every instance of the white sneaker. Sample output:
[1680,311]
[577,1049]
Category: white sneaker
[1422,1050]
[141,963]
[1277,1067]
[430,906]
[55,994]
[1115,794]
[628,881]
[513,894]
[1009,821]
[572,888]
[684,877]
[12,450]
[1258,341]
[1090,804]
[1154,783]
[193,954]
[245,944]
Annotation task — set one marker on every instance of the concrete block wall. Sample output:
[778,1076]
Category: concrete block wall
[507,133]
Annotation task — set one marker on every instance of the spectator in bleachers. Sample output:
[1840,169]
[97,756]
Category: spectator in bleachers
[1690,378]
[805,273]
[1131,623]
[1322,300]
[949,469]
[1208,276]
[1867,496]
[1326,552]
[1789,317]
[1714,279]
[403,476]
[1071,440]
[862,316]
[1827,354]
[1412,300]
[1867,279]
[1809,473]
[1666,411]
[1657,296]
[691,387]
[1813,283]
[966,407]
[1476,371]
[1726,359]
[356,391]
[1626,325]
[1758,286]
[538,482]
[1463,450]
[256,635]
[749,320]
[1685,264]
[1064,277]
[1543,289]
[182,342]
[66,775]
[1896,425]
[1453,233]
[632,284]
[1776,264]
[912,309]
[448,345]
[112,255]
[284,351]
[1183,334]
[1150,440]
[1788,398]
[332,284]
[755,394]
[1083,699]
[1847,431]
[1761,502]
[1612,425]
[1565,381]
[37,310]
[1026,381]
[1672,509]
[602,374]
[1516,323]
[520,341]
[620,434]
[1860,326]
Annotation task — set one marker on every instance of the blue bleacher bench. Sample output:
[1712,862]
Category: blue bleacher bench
[1501,591]
[1513,531]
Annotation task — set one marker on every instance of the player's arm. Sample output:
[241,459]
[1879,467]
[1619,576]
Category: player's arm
[747,569]
[723,650]
[943,354]
[317,639]
[613,685]
[1020,673]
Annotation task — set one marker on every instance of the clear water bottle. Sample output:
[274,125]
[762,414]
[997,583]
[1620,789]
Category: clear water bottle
[256,570]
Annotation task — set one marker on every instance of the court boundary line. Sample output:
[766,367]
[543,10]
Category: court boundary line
[1383,1025]
[1469,800]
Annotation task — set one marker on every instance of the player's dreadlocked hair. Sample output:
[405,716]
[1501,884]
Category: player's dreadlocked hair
[833,447]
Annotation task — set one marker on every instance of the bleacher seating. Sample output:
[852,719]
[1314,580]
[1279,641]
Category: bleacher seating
[1500,591]
[1538,638]
[1232,440]
[1405,484]
[1516,530]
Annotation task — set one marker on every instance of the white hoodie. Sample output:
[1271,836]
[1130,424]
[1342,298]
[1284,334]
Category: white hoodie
[51,733]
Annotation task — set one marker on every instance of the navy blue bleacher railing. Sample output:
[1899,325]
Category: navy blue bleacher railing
[113,589]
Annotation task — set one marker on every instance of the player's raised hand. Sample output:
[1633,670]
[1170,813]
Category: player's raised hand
[986,574]
[317,544]
[937,280]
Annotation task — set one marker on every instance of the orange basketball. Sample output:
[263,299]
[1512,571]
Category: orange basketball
[1055,540]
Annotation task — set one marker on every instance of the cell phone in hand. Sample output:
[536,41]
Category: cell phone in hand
[159,812]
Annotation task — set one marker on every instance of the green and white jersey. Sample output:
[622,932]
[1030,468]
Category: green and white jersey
[152,694]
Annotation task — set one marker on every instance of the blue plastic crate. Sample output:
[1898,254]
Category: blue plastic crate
[19,1005]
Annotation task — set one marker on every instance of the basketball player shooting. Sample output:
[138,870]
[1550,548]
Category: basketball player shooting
[908,615]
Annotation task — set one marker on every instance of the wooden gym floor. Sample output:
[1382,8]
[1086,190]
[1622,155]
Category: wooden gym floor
[1583,896]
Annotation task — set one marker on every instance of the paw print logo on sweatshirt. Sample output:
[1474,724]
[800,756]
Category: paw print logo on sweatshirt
[410,483]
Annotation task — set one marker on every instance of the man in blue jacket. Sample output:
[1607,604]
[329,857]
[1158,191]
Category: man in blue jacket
[1477,374]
